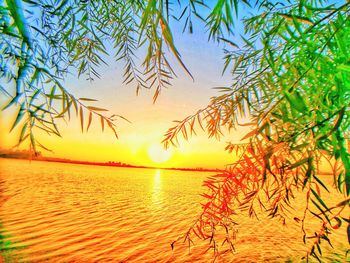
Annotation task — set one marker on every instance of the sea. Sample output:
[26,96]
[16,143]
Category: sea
[60,212]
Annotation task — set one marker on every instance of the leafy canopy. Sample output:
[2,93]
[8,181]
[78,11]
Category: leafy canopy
[42,41]
[291,78]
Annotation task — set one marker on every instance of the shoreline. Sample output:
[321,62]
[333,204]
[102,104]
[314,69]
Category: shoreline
[111,164]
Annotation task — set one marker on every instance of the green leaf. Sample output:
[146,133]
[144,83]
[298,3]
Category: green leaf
[299,163]
[33,97]
[344,67]
[296,101]
[12,101]
[23,131]
[321,210]
[340,181]
[319,199]
[32,141]
[151,5]
[19,116]
[321,183]
[169,40]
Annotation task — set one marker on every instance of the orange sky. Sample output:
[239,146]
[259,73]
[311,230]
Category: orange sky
[139,141]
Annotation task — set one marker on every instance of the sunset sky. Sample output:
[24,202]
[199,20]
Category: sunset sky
[139,141]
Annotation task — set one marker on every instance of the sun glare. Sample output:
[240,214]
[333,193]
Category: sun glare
[158,154]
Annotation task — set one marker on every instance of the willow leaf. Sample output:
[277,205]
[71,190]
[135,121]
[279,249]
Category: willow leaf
[170,42]
[96,108]
[81,119]
[19,116]
[102,123]
[89,122]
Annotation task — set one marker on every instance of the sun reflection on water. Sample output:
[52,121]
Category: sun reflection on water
[157,188]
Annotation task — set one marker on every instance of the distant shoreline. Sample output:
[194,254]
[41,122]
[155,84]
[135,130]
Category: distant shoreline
[24,155]
[109,164]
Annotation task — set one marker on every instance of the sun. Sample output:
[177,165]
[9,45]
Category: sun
[158,154]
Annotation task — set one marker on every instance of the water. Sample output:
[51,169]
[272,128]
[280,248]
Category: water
[77,213]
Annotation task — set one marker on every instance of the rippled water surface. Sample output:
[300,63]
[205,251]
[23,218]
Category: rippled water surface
[78,213]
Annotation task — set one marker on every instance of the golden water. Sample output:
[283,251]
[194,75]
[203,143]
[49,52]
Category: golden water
[78,213]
